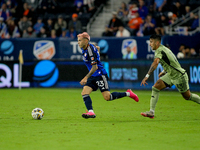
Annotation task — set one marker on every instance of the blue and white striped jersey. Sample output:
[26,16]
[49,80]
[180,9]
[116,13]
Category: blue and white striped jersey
[90,57]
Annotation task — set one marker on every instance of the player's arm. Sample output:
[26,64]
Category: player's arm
[153,66]
[93,69]
[92,58]
[151,70]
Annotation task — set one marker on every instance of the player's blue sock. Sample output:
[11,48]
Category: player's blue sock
[88,101]
[116,95]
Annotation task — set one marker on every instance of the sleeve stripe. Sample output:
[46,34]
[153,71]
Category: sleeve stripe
[90,51]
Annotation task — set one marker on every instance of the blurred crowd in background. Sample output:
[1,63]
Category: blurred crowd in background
[66,18]
[61,18]
[188,52]
[146,17]
[45,18]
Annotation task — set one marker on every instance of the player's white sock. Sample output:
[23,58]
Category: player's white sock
[151,110]
[127,94]
[154,98]
[91,110]
[195,98]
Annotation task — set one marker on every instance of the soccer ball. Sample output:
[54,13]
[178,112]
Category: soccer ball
[37,113]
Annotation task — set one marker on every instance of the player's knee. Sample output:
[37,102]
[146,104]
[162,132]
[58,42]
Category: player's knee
[107,97]
[155,89]
[83,93]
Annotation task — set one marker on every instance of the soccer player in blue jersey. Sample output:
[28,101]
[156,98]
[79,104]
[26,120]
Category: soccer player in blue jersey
[97,76]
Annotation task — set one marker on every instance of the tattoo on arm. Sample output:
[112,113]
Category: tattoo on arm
[153,67]
[94,68]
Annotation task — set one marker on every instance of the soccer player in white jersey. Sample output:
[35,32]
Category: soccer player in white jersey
[97,76]
[173,74]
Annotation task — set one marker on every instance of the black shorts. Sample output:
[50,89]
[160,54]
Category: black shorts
[100,82]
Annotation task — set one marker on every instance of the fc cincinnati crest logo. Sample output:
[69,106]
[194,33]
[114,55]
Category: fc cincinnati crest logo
[129,43]
[44,49]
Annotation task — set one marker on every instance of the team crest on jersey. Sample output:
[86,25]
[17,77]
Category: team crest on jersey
[92,58]
[44,49]
[84,57]
[129,43]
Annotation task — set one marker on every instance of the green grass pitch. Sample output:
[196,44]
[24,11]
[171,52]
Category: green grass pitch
[118,125]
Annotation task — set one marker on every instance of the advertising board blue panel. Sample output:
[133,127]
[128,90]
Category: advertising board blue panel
[64,48]
[113,47]
[68,74]
[32,49]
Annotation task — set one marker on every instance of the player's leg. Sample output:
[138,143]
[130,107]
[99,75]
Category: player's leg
[106,95]
[88,102]
[194,97]
[157,87]
[191,96]
[86,97]
[183,87]
[114,95]
[104,88]
[161,83]
[129,93]
[87,89]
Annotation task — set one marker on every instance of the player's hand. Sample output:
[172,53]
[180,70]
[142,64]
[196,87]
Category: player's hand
[161,74]
[144,81]
[83,81]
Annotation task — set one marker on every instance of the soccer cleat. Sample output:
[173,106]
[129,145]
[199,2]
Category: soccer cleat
[148,114]
[133,95]
[88,115]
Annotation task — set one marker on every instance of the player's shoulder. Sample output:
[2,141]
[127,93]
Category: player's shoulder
[161,48]
[92,48]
